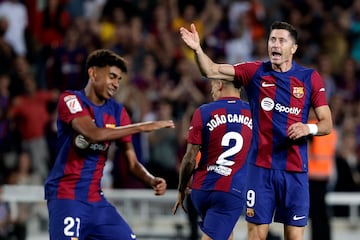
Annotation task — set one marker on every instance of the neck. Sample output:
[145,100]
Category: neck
[283,67]
[230,94]
[92,96]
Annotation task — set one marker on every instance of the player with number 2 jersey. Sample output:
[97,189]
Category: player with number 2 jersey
[221,130]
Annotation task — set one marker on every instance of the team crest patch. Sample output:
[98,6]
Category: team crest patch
[250,212]
[298,92]
[110,125]
[73,104]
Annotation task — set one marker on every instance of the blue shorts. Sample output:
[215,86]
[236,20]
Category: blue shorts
[76,220]
[270,191]
[219,212]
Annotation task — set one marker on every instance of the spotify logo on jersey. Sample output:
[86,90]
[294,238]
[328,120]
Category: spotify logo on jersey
[267,104]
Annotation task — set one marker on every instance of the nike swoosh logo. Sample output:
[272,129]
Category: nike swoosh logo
[264,84]
[296,218]
[133,236]
[322,90]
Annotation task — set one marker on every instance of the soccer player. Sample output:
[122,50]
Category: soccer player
[280,94]
[221,131]
[88,121]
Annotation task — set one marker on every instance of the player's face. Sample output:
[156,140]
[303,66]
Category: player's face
[281,47]
[107,80]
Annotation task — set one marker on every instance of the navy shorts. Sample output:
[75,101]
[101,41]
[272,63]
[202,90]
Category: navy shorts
[219,212]
[277,194]
[76,220]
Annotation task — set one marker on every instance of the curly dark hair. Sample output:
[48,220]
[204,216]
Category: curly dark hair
[105,57]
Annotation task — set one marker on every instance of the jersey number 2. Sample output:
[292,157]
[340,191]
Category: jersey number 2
[225,142]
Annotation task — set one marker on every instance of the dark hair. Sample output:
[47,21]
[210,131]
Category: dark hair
[104,57]
[285,26]
[234,83]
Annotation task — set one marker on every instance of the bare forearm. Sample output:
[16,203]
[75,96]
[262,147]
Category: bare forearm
[204,62]
[186,172]
[324,127]
[96,134]
[213,70]
[187,166]
[324,123]
[142,174]
[108,134]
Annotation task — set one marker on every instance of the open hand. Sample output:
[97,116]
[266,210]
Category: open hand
[191,38]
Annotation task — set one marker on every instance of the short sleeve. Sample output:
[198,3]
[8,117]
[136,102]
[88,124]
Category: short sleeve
[195,129]
[70,107]
[125,120]
[318,93]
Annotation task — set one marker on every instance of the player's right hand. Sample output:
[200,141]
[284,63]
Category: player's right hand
[155,125]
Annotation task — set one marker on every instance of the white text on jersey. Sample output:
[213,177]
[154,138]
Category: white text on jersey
[217,120]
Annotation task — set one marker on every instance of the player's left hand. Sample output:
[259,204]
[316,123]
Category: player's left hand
[159,185]
[180,200]
[298,130]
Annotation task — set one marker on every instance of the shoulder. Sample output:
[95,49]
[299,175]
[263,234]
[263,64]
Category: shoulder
[206,106]
[250,64]
[67,93]
[67,96]
[112,103]
[246,70]
[244,104]
[71,100]
[304,69]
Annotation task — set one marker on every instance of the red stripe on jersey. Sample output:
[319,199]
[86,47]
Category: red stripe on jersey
[225,183]
[215,149]
[94,188]
[298,94]
[72,173]
[318,95]
[264,158]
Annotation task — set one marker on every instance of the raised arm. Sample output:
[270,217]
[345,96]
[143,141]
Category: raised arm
[207,67]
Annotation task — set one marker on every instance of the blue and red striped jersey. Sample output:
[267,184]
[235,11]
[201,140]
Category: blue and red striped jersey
[223,129]
[77,172]
[277,100]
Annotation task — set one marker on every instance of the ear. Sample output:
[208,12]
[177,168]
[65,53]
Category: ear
[294,48]
[91,73]
[220,85]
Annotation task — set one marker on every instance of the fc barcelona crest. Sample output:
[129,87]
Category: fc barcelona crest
[250,212]
[298,92]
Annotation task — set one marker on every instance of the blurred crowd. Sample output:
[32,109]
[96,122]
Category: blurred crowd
[44,45]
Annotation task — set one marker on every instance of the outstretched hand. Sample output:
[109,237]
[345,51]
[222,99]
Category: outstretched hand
[155,125]
[191,38]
